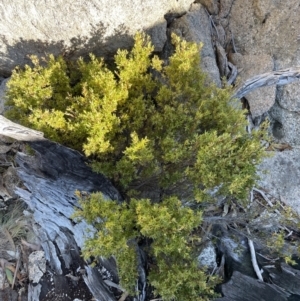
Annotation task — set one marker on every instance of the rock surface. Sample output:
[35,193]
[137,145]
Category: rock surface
[75,28]
[36,266]
[207,257]
[285,124]
[280,177]
[259,100]
[271,31]
[211,6]
[195,26]
[8,295]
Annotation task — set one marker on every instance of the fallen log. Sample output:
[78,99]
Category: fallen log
[47,181]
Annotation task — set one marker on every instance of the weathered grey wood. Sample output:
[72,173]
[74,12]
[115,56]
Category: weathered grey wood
[94,280]
[49,179]
[34,292]
[279,78]
[286,277]
[233,73]
[244,288]
[253,258]
[18,132]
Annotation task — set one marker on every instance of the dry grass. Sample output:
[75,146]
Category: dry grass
[14,226]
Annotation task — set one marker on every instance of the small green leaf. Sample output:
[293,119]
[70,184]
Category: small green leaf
[9,275]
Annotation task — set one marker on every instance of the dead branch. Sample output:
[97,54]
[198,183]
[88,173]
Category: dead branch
[264,196]
[233,74]
[19,132]
[253,259]
[212,22]
[279,78]
[124,296]
[112,284]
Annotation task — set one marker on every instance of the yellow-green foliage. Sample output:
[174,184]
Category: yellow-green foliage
[144,124]
[144,121]
[168,225]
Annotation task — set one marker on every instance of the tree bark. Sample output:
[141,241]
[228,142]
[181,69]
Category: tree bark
[47,181]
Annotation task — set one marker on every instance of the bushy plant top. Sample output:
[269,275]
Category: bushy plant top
[159,131]
[143,122]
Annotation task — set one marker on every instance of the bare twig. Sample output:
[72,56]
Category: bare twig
[251,196]
[213,271]
[282,203]
[233,74]
[250,124]
[17,268]
[270,266]
[290,232]
[9,238]
[253,258]
[264,196]
[261,204]
[112,284]
[124,296]
[30,246]
[213,23]
[267,258]
[74,278]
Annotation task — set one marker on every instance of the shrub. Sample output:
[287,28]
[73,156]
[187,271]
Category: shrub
[164,229]
[161,133]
